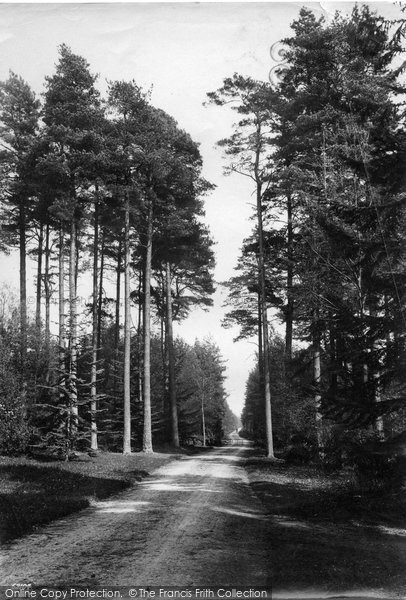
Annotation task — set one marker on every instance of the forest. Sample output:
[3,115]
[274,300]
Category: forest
[105,197]
[122,465]
[324,146]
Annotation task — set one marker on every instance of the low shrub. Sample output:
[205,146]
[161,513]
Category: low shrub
[374,469]
[375,472]
[14,431]
[300,450]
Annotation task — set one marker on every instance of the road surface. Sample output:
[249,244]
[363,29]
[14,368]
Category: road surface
[194,522]
[234,439]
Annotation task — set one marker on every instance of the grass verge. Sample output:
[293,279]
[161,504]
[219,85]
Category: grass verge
[326,536]
[34,493]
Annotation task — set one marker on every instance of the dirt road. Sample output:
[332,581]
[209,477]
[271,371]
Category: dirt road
[195,521]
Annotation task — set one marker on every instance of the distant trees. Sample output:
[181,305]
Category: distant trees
[293,411]
[100,186]
[248,149]
[203,409]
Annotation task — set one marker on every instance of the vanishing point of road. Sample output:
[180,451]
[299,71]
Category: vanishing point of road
[193,522]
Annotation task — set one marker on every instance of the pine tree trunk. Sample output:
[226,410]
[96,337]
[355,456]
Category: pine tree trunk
[93,373]
[379,422]
[316,327]
[289,283]
[23,287]
[73,394]
[100,301]
[203,421]
[147,434]
[47,289]
[23,305]
[171,360]
[117,321]
[264,315]
[77,263]
[140,330]
[317,381]
[61,312]
[387,318]
[164,356]
[118,298]
[260,341]
[259,403]
[333,358]
[39,278]
[127,331]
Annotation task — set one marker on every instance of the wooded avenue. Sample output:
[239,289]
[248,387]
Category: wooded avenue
[216,221]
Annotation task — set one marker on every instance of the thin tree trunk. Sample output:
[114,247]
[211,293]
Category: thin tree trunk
[141,286]
[333,358]
[127,331]
[93,373]
[387,319]
[316,334]
[77,262]
[73,394]
[317,381]
[23,287]
[260,341]
[289,284]
[117,321]
[164,356]
[63,396]
[379,423]
[47,289]
[147,434]
[61,311]
[100,301]
[171,360]
[262,288]
[118,298]
[203,421]
[259,404]
[23,305]
[39,277]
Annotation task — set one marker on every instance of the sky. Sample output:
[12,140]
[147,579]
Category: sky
[181,50]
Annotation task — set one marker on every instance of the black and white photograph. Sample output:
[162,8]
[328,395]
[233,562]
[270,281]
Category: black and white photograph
[203,300]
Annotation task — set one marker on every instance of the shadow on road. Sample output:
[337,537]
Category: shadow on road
[33,495]
[321,539]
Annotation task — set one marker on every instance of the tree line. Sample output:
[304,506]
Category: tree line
[324,147]
[105,192]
